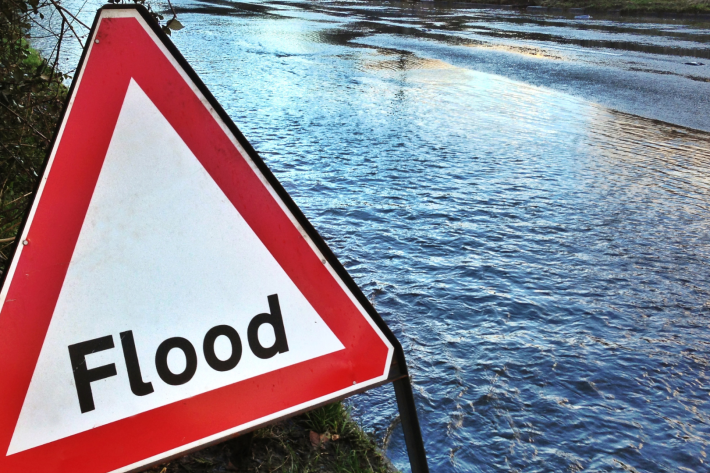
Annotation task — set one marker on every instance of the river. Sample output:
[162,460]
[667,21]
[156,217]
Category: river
[523,197]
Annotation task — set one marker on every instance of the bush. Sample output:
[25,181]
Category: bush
[31,98]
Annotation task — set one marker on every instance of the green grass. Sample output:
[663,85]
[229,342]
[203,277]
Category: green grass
[288,447]
[33,61]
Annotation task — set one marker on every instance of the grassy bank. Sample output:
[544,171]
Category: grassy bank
[324,440]
[624,7]
[31,99]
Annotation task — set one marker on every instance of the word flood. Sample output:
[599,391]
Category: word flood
[83,376]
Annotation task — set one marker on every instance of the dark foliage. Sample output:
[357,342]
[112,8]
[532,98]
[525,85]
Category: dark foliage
[31,99]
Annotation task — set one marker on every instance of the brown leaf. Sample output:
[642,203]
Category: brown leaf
[315,439]
[334,437]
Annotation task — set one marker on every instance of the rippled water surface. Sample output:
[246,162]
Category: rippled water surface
[542,258]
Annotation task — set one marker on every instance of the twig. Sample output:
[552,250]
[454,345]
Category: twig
[8,209]
[172,9]
[12,227]
[7,240]
[39,25]
[59,9]
[19,161]
[70,14]
[19,198]
[28,123]
[59,46]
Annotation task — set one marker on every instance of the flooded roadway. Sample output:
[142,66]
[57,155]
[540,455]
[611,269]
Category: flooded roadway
[489,179]
[642,66]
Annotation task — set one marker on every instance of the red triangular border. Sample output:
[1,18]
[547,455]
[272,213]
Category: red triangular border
[125,47]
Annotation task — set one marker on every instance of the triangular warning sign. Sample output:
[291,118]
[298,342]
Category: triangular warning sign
[167,292]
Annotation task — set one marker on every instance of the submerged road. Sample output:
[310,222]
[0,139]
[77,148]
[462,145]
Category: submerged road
[647,67]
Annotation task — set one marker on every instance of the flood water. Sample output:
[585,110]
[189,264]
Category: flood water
[489,179]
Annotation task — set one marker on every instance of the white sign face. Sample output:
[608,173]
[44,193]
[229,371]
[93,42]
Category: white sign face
[176,260]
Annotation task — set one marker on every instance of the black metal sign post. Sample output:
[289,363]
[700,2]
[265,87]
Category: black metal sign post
[410,425]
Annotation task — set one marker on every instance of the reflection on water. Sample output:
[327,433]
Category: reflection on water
[542,259]
[616,40]
[399,61]
[538,53]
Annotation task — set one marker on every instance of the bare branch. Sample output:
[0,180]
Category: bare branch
[58,46]
[61,12]
[24,120]
[51,34]
[172,9]
[71,15]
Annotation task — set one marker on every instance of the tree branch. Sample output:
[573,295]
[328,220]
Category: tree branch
[61,12]
[24,120]
[71,15]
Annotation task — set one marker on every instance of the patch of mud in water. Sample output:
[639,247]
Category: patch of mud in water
[528,51]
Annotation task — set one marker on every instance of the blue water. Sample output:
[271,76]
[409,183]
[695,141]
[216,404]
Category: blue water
[542,259]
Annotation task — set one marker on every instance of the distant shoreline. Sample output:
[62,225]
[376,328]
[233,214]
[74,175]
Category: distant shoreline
[694,9]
